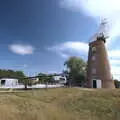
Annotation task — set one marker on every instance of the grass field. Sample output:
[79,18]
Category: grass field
[61,104]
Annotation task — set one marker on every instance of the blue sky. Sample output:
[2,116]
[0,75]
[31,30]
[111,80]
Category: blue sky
[39,35]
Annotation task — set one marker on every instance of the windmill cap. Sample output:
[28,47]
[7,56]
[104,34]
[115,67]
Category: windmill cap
[96,42]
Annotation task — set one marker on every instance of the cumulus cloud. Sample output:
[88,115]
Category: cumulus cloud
[114,57]
[114,53]
[115,70]
[115,62]
[67,48]
[97,9]
[21,49]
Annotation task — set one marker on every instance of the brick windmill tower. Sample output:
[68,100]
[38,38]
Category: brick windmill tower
[98,67]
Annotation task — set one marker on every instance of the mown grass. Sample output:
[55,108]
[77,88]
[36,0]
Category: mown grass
[61,104]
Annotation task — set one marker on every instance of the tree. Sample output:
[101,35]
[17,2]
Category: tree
[117,83]
[20,75]
[27,82]
[11,73]
[45,78]
[75,69]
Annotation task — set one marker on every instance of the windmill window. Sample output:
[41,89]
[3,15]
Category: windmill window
[93,57]
[93,71]
[93,49]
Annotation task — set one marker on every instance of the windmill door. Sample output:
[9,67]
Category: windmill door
[96,83]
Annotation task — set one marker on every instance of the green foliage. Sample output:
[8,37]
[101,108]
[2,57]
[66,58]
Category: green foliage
[75,70]
[11,73]
[117,83]
[45,78]
[27,82]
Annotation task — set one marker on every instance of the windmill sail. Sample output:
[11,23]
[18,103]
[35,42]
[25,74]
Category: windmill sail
[103,28]
[102,31]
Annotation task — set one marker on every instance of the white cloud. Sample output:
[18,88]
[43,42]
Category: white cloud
[114,54]
[115,62]
[115,70]
[63,55]
[71,47]
[76,46]
[21,49]
[98,9]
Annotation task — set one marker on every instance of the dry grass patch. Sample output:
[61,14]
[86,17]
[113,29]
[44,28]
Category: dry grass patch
[61,104]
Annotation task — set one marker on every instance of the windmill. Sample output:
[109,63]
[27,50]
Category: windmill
[98,67]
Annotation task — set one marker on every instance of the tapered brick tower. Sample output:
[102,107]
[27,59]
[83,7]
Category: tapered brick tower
[98,67]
